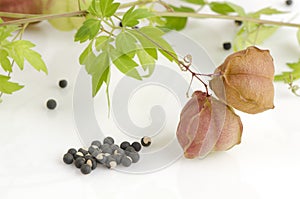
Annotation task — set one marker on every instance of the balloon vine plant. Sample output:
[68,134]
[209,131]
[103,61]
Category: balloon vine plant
[130,35]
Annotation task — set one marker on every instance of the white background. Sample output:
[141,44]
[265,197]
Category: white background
[33,139]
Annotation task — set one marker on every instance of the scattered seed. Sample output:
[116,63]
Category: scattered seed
[72,151]
[146,141]
[124,145]
[137,146]
[288,2]
[63,83]
[79,162]
[68,158]
[51,104]
[85,169]
[238,22]
[96,143]
[108,140]
[83,151]
[227,45]
[126,161]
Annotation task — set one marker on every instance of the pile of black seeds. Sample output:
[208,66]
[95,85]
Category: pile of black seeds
[106,153]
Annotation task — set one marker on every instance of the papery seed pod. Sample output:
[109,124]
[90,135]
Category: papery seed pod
[21,6]
[206,125]
[245,80]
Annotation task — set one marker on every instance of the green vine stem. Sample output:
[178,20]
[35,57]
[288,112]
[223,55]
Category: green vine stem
[36,18]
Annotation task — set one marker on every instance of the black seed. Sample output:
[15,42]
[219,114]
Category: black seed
[124,145]
[137,146]
[85,169]
[83,151]
[51,104]
[288,2]
[108,140]
[135,157]
[63,83]
[93,162]
[120,24]
[126,161]
[238,22]
[68,158]
[130,149]
[96,143]
[146,141]
[227,45]
[72,151]
[78,154]
[79,162]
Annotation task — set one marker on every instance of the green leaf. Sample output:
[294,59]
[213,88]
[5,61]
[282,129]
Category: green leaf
[4,61]
[126,43]
[35,59]
[21,50]
[289,76]
[257,36]
[8,87]
[266,11]
[6,31]
[132,16]
[88,30]
[103,8]
[147,62]
[99,71]
[294,66]
[298,36]
[125,64]
[177,23]
[221,8]
[151,38]
[108,8]
[197,2]
[102,42]
[238,9]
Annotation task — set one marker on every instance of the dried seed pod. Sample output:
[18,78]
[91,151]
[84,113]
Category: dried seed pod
[206,125]
[246,80]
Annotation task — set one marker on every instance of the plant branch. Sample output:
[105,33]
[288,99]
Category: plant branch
[226,17]
[44,17]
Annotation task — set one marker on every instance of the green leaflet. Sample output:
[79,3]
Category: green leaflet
[88,30]
[6,31]
[221,8]
[132,16]
[147,61]
[126,43]
[21,50]
[294,74]
[125,64]
[266,11]
[8,87]
[151,38]
[197,2]
[99,71]
[4,61]
[103,8]
[244,39]
[177,23]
